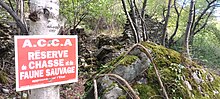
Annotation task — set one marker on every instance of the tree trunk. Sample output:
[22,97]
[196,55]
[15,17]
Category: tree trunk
[188,28]
[203,25]
[44,15]
[130,21]
[178,13]
[145,35]
[134,18]
[166,23]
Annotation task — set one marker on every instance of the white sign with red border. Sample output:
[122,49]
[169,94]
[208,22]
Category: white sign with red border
[45,60]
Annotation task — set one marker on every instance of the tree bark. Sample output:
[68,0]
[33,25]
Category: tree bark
[166,23]
[188,28]
[46,23]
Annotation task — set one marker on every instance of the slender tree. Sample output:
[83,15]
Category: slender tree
[206,13]
[140,24]
[134,17]
[166,23]
[130,21]
[144,33]
[178,13]
[188,28]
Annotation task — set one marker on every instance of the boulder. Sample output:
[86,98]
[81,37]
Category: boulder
[181,77]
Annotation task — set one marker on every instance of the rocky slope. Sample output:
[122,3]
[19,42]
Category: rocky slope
[182,78]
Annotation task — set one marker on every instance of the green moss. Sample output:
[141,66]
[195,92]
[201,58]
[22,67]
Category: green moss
[174,70]
[147,91]
[122,97]
[114,61]
[127,60]
[3,77]
[110,88]
[162,55]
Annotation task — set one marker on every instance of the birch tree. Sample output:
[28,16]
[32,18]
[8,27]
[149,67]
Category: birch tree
[188,28]
[44,16]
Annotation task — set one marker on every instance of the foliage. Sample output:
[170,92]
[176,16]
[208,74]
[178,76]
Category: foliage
[206,47]
[155,8]
[98,12]
[4,15]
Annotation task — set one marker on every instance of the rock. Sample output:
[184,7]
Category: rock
[181,80]
[109,89]
[24,95]
[142,81]
[103,51]
[188,85]
[5,90]
[114,93]
[154,29]
[1,97]
[209,78]
[104,83]
[131,71]
[196,78]
[215,92]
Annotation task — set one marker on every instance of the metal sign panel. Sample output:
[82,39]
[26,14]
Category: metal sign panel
[45,60]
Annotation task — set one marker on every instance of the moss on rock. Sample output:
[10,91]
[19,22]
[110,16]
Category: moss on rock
[127,60]
[175,70]
[182,78]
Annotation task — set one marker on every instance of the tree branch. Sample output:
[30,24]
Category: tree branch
[164,34]
[134,18]
[177,21]
[15,17]
[145,35]
[11,5]
[201,15]
[205,23]
[143,8]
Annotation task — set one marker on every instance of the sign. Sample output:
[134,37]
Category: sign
[45,60]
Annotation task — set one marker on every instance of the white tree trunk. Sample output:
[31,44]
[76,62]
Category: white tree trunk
[188,28]
[45,24]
